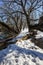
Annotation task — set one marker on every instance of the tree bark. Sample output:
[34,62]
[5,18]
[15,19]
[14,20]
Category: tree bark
[28,22]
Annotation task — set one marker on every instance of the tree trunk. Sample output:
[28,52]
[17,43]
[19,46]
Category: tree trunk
[28,23]
[30,30]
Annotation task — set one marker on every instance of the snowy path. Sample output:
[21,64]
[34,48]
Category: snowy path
[22,53]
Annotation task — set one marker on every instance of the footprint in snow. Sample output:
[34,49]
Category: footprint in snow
[25,63]
[16,55]
[33,60]
[16,60]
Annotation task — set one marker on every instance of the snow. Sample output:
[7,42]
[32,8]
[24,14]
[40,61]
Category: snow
[39,34]
[22,33]
[22,53]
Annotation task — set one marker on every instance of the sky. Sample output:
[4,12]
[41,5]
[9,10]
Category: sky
[1,4]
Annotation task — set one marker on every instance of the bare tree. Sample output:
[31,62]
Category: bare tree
[10,13]
[32,5]
[24,7]
[16,20]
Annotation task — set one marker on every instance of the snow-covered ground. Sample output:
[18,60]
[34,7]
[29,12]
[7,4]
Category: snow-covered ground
[22,53]
[39,34]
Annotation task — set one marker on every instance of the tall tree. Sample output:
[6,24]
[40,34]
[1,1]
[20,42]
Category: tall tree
[28,6]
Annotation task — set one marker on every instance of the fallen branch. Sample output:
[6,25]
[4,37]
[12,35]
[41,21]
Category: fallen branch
[6,40]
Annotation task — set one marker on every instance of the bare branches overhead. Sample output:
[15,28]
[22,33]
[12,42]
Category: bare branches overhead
[15,10]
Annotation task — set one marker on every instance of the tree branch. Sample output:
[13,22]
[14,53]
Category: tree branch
[9,28]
